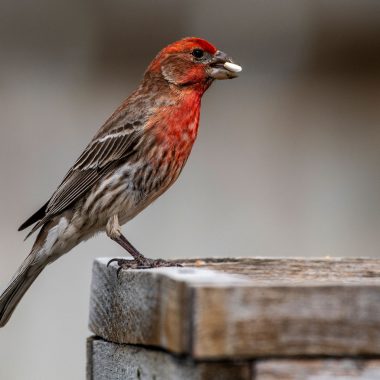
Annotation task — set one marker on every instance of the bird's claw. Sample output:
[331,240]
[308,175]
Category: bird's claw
[111,261]
[142,264]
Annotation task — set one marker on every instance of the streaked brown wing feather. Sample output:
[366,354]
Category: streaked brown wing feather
[116,140]
[94,163]
[102,151]
[77,183]
[98,159]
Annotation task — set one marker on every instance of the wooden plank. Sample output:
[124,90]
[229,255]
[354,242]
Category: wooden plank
[149,307]
[260,307]
[325,320]
[120,362]
[327,369]
[89,358]
[298,270]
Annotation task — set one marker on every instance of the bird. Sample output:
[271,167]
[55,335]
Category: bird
[135,156]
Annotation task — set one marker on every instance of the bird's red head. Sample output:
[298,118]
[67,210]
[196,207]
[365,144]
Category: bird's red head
[193,62]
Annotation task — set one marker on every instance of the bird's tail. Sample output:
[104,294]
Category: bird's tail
[19,284]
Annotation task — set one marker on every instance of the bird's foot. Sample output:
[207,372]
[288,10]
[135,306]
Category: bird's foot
[143,263]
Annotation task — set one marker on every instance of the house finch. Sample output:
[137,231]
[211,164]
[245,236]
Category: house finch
[135,156]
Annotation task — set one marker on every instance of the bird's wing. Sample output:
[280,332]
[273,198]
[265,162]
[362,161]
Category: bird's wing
[118,139]
[94,163]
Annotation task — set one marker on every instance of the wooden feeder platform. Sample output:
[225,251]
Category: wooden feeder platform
[237,319]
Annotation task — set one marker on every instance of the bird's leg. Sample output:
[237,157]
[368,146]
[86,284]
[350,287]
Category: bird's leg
[113,230]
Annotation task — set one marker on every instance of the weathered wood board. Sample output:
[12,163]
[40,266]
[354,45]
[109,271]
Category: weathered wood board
[242,308]
[108,361]
[310,369]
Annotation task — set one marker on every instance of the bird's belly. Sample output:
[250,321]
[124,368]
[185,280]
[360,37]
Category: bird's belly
[127,191]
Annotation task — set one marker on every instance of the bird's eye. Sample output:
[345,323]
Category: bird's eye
[197,53]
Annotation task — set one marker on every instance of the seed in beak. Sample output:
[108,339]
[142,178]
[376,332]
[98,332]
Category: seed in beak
[232,67]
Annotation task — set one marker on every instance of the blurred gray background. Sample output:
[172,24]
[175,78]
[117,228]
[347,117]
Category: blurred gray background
[286,162]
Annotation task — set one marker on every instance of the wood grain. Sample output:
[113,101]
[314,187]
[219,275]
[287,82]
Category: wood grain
[121,362]
[242,308]
[328,369]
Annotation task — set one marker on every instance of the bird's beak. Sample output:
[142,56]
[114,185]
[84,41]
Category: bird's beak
[222,67]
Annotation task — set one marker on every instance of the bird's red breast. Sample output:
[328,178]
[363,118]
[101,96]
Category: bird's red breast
[177,125]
